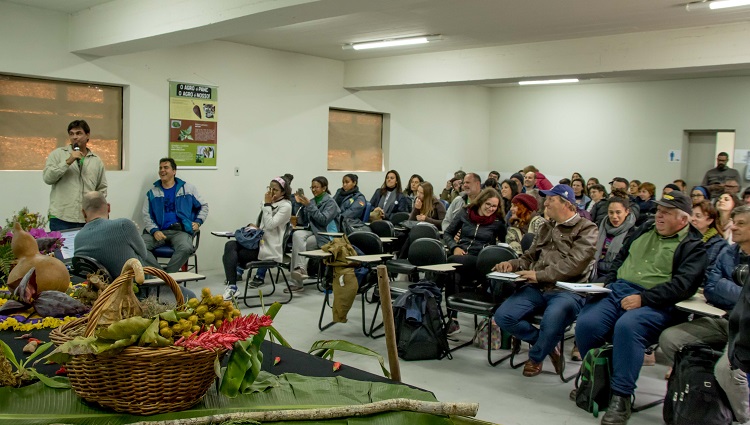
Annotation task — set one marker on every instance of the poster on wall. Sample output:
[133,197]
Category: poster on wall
[193,118]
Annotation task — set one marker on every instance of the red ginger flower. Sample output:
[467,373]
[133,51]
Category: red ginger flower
[228,333]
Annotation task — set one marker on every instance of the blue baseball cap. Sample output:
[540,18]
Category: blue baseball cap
[561,190]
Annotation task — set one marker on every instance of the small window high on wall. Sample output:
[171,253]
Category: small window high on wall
[34,117]
[355,141]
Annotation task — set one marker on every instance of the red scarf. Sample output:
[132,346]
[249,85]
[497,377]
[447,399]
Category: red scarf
[482,220]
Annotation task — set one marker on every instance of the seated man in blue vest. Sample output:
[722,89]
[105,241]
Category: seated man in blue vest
[173,212]
[663,263]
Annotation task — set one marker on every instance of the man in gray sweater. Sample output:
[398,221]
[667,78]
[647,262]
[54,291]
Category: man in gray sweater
[110,242]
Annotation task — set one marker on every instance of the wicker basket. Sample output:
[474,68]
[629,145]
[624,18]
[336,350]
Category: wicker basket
[138,380]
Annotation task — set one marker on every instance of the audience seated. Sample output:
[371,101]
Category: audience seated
[389,199]
[646,197]
[275,215]
[517,178]
[320,214]
[524,219]
[411,189]
[495,175]
[541,181]
[452,189]
[471,187]
[427,207]
[597,206]
[681,185]
[508,191]
[350,200]
[724,205]
[562,251]
[663,263]
[699,194]
[529,184]
[669,188]
[723,292]
[172,213]
[614,230]
[746,196]
[480,225]
[591,181]
[732,186]
[579,189]
[634,187]
[576,175]
[623,184]
[565,181]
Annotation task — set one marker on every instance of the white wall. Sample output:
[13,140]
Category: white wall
[616,129]
[273,110]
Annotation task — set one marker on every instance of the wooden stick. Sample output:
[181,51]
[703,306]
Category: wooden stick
[386,306]
[429,407]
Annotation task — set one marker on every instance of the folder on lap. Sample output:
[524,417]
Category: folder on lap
[586,288]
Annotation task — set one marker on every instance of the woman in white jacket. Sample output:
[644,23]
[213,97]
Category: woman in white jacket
[275,215]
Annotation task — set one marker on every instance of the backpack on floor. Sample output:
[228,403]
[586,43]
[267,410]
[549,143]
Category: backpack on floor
[593,392]
[419,323]
[693,395]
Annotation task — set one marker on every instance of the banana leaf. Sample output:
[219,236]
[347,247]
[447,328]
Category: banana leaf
[326,348]
[37,404]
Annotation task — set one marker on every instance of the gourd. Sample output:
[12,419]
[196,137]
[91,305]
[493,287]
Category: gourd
[51,273]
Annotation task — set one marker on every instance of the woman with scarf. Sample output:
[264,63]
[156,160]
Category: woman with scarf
[613,232]
[480,225]
[320,214]
[349,199]
[389,199]
[523,219]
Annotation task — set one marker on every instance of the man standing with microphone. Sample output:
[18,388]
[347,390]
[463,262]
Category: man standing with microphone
[72,171]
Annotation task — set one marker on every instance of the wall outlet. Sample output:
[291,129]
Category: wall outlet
[236,171]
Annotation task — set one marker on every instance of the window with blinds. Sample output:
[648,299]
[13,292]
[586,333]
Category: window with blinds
[355,141]
[34,117]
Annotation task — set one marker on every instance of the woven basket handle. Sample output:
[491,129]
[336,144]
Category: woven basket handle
[124,282]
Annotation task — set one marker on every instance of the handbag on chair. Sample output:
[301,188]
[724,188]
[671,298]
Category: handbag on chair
[488,326]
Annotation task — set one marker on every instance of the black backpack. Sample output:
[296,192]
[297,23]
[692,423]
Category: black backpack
[693,395]
[420,327]
[593,392]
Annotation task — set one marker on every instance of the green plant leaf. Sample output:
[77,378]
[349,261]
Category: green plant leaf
[39,351]
[9,354]
[151,337]
[278,336]
[61,383]
[327,347]
[125,329]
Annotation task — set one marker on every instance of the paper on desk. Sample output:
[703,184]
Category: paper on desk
[582,287]
[224,234]
[504,276]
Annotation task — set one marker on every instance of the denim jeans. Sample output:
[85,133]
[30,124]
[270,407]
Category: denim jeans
[57,224]
[559,309]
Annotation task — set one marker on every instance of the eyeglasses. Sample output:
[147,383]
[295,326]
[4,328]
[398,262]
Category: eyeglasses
[731,186]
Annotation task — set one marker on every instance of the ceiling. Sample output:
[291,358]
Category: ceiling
[320,28]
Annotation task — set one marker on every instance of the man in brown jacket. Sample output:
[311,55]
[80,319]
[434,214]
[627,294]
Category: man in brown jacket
[562,251]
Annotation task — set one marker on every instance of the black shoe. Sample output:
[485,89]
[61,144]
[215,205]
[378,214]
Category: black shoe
[515,345]
[618,411]
[257,282]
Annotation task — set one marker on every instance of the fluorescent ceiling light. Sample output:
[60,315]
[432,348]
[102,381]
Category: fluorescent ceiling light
[392,42]
[716,4]
[537,82]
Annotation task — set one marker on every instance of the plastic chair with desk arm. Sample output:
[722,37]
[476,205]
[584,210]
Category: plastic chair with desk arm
[399,217]
[166,251]
[270,265]
[369,244]
[383,228]
[483,304]
[423,252]
[82,266]
[419,231]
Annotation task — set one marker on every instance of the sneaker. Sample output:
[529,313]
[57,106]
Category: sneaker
[294,288]
[453,328]
[257,282]
[575,355]
[299,275]
[230,292]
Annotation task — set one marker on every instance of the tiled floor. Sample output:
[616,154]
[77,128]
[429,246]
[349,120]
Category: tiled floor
[504,395]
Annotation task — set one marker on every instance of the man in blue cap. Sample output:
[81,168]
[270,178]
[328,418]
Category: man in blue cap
[562,251]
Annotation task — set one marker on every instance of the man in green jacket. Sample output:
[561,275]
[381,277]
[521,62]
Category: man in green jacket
[72,171]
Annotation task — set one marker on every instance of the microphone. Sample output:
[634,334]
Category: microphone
[77,149]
